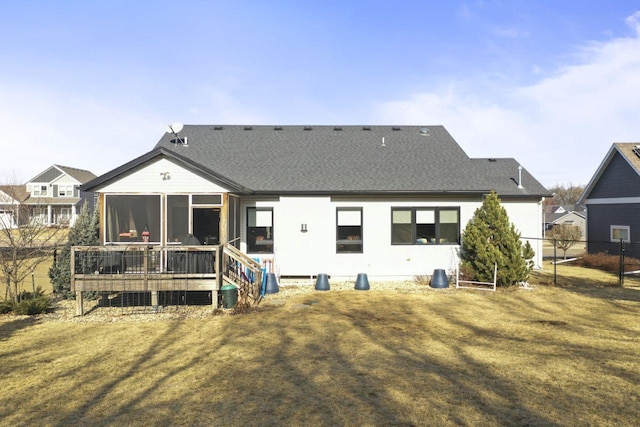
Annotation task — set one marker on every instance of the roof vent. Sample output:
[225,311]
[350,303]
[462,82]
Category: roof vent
[175,129]
[366,127]
[277,128]
[520,177]
[636,150]
[184,141]
[337,128]
[308,128]
[424,132]
[395,128]
[248,128]
[492,160]
[217,128]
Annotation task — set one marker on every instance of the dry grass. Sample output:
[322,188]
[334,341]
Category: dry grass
[555,355]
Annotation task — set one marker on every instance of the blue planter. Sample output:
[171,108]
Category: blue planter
[439,279]
[362,282]
[322,282]
[271,286]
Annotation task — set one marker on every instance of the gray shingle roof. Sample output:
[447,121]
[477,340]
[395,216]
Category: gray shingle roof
[79,174]
[17,192]
[341,159]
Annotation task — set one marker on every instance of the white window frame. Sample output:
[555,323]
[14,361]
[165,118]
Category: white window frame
[625,228]
[65,191]
[40,190]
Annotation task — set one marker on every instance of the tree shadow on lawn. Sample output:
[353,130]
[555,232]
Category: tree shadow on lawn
[343,360]
[9,325]
[351,365]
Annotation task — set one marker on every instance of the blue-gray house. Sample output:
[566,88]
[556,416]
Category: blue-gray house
[612,198]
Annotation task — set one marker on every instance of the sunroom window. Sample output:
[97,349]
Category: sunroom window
[177,218]
[130,217]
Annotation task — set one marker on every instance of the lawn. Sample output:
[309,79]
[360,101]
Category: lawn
[554,355]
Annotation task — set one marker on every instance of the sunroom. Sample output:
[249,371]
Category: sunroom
[159,241]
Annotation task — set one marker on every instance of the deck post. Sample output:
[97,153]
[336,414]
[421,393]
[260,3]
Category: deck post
[214,298]
[79,303]
[219,266]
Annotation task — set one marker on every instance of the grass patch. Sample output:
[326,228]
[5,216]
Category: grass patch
[554,355]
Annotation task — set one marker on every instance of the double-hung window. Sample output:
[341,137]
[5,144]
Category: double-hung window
[349,230]
[40,190]
[260,230]
[425,226]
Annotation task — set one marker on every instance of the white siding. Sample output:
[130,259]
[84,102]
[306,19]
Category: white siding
[298,253]
[527,218]
[65,179]
[149,179]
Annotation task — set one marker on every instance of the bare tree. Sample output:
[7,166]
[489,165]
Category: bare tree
[565,195]
[565,236]
[25,240]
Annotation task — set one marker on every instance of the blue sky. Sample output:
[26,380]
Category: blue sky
[93,84]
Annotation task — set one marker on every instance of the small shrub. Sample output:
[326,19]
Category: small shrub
[37,293]
[29,303]
[607,262]
[422,279]
[6,307]
[31,306]
[600,261]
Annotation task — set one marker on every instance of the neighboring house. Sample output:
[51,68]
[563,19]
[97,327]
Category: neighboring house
[53,197]
[612,198]
[387,201]
[565,215]
[11,198]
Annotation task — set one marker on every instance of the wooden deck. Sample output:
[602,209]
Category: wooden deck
[142,268]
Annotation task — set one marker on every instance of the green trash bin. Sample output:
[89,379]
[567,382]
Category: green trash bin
[229,296]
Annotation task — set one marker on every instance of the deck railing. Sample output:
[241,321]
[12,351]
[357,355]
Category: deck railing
[141,259]
[142,268]
[243,272]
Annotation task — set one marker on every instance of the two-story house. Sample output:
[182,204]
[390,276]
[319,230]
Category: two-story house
[53,197]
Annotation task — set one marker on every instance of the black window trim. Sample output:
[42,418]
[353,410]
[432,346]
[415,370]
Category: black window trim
[347,241]
[436,210]
[266,241]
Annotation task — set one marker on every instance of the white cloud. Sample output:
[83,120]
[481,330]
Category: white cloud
[633,21]
[559,128]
